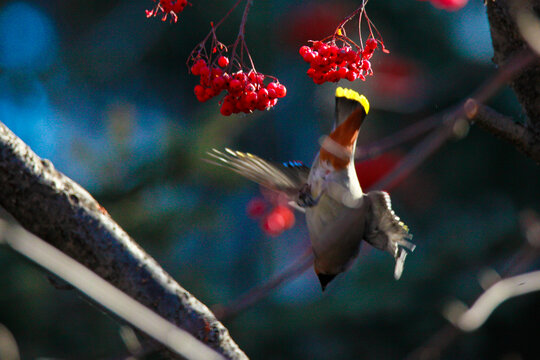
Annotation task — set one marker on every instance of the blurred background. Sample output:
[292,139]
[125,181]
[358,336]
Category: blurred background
[105,94]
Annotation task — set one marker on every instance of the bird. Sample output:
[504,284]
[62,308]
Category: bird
[339,215]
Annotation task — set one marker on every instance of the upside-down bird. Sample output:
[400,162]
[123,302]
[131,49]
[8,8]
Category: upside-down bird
[330,194]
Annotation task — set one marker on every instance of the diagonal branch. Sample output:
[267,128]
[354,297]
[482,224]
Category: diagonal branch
[258,293]
[505,128]
[55,208]
[109,297]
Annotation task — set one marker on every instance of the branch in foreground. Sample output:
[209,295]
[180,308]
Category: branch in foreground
[99,290]
[55,208]
[505,128]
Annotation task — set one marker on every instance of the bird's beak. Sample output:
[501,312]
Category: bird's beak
[324,279]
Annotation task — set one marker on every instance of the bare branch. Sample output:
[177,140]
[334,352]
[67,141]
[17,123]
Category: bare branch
[505,128]
[501,291]
[258,293]
[55,208]
[507,42]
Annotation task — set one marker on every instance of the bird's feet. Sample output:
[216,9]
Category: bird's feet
[305,199]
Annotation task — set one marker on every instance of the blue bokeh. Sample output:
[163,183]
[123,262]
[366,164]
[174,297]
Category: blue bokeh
[28,40]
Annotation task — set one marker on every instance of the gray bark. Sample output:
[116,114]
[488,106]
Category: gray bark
[55,208]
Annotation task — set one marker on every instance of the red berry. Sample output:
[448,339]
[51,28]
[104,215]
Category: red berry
[223,61]
[366,65]
[309,57]
[371,43]
[227,108]
[287,215]
[351,76]
[235,86]
[278,220]
[317,45]
[281,91]
[251,98]
[262,94]
[204,71]
[195,69]
[209,93]
[304,50]
[198,90]
[240,76]
[219,83]
[256,208]
[272,94]
[263,103]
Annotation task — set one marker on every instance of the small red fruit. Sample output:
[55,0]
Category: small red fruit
[223,61]
[227,108]
[281,91]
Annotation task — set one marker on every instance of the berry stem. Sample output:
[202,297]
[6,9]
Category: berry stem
[200,47]
[353,14]
[241,34]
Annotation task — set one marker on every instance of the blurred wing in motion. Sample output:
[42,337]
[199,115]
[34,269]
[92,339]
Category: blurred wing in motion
[386,232]
[288,177]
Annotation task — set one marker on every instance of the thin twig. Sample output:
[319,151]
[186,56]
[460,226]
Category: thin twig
[241,33]
[400,137]
[450,117]
[414,158]
[256,294]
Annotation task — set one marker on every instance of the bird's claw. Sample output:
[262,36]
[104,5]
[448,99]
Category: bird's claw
[305,199]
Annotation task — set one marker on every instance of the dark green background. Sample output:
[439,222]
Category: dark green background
[114,110]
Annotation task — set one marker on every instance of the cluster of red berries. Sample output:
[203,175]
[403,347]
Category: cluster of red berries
[245,91]
[328,62]
[273,222]
[168,7]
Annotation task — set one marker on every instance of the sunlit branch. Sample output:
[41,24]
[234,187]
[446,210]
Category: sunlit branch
[504,127]
[59,211]
[99,290]
[501,291]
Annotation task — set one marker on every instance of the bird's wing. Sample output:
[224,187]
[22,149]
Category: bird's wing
[386,232]
[288,177]
[347,102]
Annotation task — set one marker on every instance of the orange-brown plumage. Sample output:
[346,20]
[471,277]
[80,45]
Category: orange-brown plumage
[344,135]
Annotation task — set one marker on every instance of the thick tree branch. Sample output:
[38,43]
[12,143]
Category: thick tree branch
[508,41]
[58,210]
[505,128]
